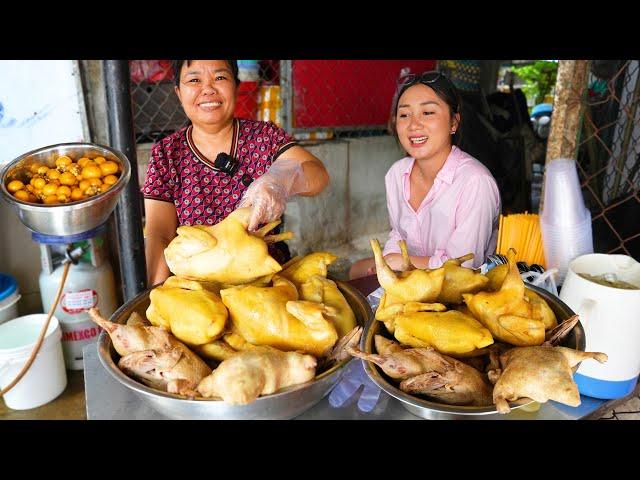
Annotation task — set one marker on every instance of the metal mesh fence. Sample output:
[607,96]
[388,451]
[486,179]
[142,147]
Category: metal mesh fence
[609,155]
[311,99]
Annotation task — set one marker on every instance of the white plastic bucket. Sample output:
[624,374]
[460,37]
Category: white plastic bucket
[47,377]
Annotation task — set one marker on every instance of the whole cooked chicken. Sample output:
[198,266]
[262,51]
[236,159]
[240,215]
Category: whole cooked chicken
[408,286]
[322,290]
[507,313]
[389,308]
[154,356]
[274,316]
[301,270]
[540,373]
[451,332]
[193,314]
[251,373]
[226,252]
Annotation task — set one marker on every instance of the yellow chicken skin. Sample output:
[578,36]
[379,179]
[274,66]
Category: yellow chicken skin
[301,270]
[273,316]
[224,253]
[194,315]
[541,310]
[506,313]
[459,280]
[408,286]
[390,308]
[322,290]
[451,332]
[249,374]
[540,373]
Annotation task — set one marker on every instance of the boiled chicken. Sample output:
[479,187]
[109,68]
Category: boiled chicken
[408,286]
[389,308]
[459,280]
[451,332]
[540,308]
[274,316]
[154,356]
[225,253]
[193,314]
[540,373]
[249,374]
[322,290]
[301,270]
[506,313]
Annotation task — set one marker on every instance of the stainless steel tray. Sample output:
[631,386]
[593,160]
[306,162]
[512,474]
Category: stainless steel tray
[433,410]
[285,404]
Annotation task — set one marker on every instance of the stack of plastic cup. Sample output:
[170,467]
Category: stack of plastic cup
[565,222]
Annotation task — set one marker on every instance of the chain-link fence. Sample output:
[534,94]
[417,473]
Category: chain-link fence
[609,155]
[311,99]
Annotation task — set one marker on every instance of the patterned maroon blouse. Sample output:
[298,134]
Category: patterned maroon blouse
[179,173]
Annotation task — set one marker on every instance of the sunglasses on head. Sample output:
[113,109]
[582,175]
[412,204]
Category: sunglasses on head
[425,77]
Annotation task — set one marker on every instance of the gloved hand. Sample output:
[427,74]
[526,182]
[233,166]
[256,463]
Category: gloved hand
[268,194]
[352,379]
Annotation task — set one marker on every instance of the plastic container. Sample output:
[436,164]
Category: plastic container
[563,203]
[47,377]
[9,297]
[564,243]
[611,323]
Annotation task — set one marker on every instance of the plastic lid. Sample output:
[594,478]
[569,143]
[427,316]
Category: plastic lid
[8,285]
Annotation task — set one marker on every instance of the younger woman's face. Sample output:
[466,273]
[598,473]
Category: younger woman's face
[423,122]
[207,92]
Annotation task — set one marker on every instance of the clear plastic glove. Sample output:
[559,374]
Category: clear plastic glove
[268,194]
[352,379]
[354,375]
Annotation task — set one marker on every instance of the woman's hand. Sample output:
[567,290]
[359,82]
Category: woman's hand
[394,260]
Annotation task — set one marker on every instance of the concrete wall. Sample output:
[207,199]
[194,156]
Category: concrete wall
[341,219]
[354,204]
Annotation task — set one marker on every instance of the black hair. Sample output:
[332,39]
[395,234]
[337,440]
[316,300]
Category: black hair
[443,87]
[176,66]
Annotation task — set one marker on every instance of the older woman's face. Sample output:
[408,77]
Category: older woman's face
[207,92]
[423,122]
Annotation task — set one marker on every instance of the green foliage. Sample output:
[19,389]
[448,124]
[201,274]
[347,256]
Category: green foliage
[538,77]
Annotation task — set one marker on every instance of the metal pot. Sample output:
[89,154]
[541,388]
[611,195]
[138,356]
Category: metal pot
[284,404]
[68,218]
[432,410]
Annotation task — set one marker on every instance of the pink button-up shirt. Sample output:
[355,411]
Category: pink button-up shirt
[459,214]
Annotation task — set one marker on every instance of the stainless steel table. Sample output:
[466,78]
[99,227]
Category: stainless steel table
[108,400]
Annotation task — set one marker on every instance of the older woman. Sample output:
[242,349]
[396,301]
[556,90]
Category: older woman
[443,202]
[202,172]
